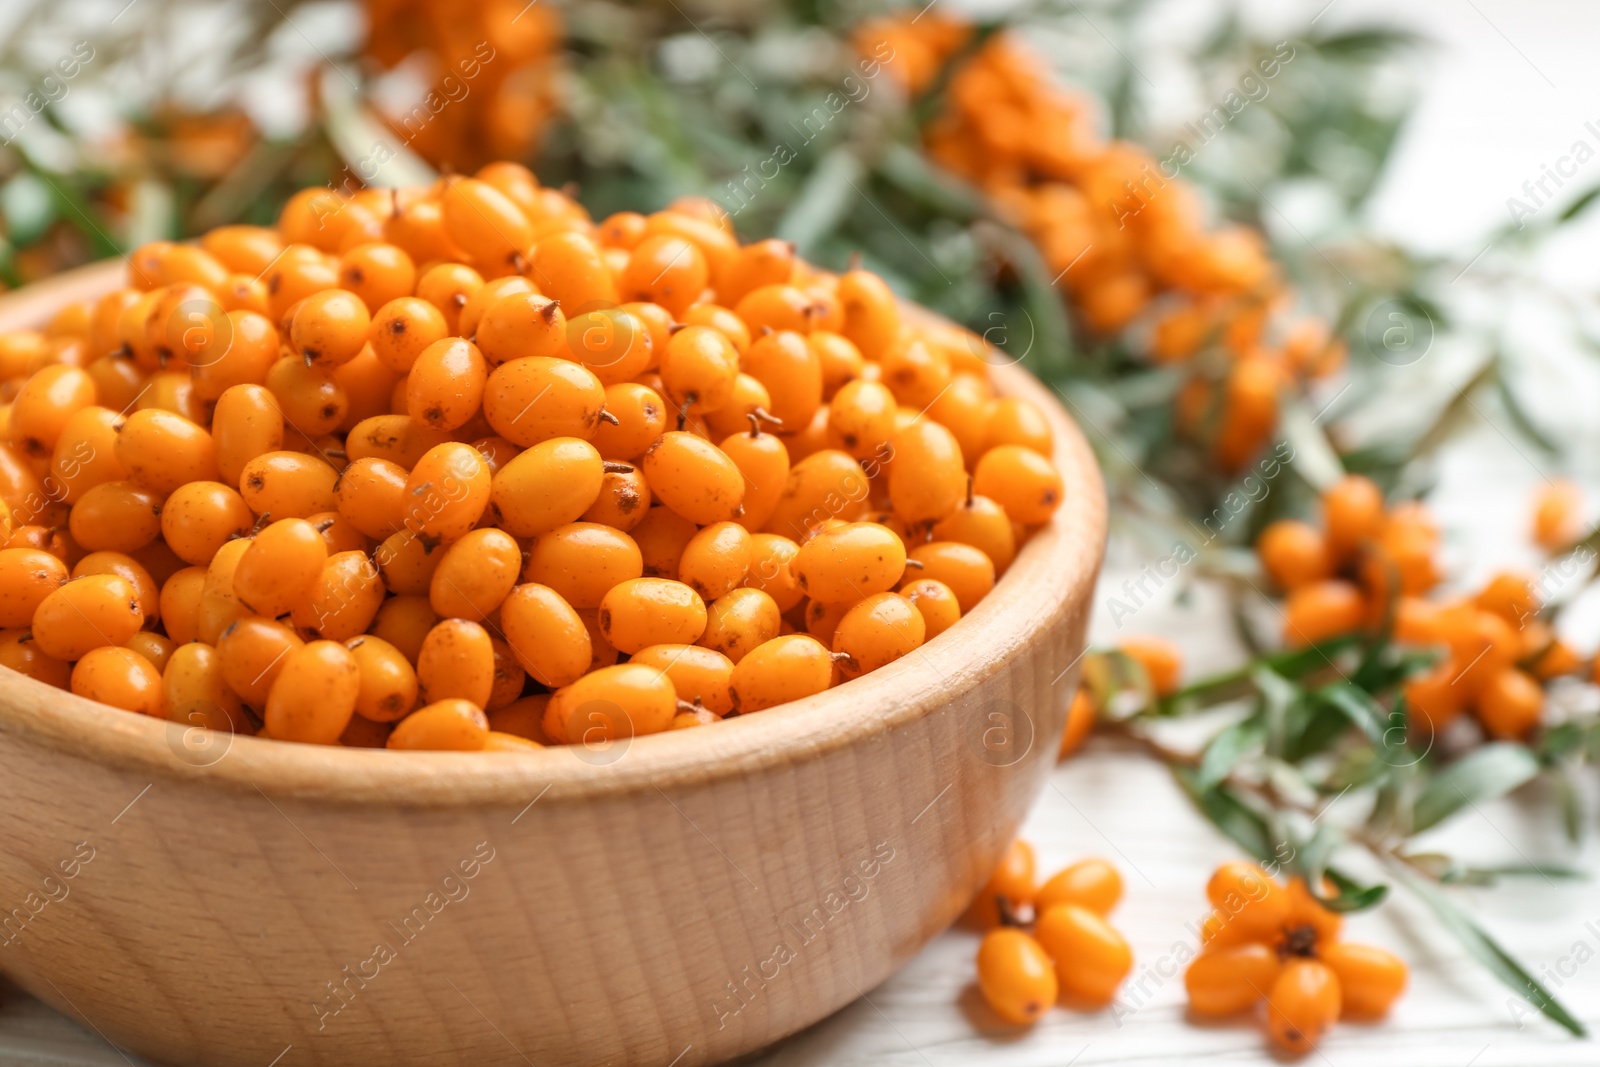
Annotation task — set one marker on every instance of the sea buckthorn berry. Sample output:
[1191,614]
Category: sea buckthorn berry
[456,661]
[42,407]
[624,229]
[485,224]
[1294,553]
[27,576]
[475,575]
[716,560]
[1320,610]
[822,620]
[750,401]
[1250,904]
[1352,512]
[721,319]
[1510,596]
[119,677]
[444,389]
[247,423]
[311,401]
[550,484]
[494,741]
[1013,421]
[850,563]
[485,297]
[86,453]
[967,572]
[157,648]
[1557,515]
[117,381]
[193,691]
[404,622]
[509,676]
[396,438]
[180,604]
[1091,958]
[1229,979]
[641,416]
[771,570]
[377,273]
[916,374]
[240,352]
[345,599]
[87,613]
[161,451]
[329,327]
[776,307]
[862,418]
[1159,660]
[450,725]
[1480,641]
[983,524]
[1303,1002]
[963,408]
[699,676]
[371,495]
[871,313]
[876,632]
[787,366]
[583,561]
[130,569]
[116,516]
[219,606]
[694,478]
[740,622]
[763,460]
[406,562]
[665,270]
[522,718]
[1092,883]
[825,485]
[1015,975]
[1080,723]
[699,369]
[614,703]
[928,479]
[1370,979]
[448,286]
[20,652]
[247,249]
[569,268]
[1510,704]
[368,387]
[314,694]
[522,324]
[280,568]
[447,492]
[545,634]
[1012,880]
[786,668]
[199,517]
[769,262]
[602,653]
[534,399]
[641,612]
[935,602]
[1020,480]
[624,498]
[403,328]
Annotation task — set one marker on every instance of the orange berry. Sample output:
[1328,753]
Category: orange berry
[1370,979]
[1016,976]
[1303,1002]
[1092,883]
[1091,958]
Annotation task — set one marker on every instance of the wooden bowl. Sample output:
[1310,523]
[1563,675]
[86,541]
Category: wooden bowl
[199,898]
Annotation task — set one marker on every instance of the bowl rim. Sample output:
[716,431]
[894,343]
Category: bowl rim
[1052,573]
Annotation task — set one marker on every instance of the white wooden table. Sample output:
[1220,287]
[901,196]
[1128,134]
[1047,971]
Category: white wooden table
[1509,91]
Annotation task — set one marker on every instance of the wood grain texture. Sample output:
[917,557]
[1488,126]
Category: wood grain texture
[695,895]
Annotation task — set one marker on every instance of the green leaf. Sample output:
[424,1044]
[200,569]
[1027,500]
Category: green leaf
[1521,420]
[1491,771]
[1365,45]
[1228,813]
[1578,206]
[1490,875]
[1486,951]
[1227,748]
[1353,896]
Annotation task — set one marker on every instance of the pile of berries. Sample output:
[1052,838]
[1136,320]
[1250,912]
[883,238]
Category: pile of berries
[1048,941]
[1123,234]
[1266,942]
[414,456]
[1368,559]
